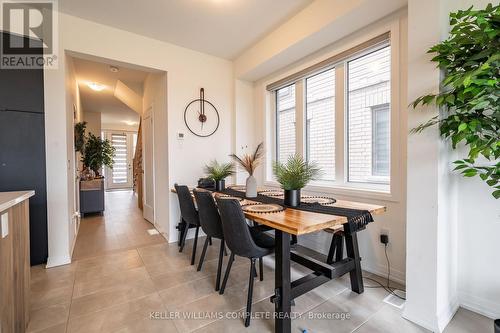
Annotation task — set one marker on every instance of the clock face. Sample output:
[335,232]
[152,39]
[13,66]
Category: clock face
[201,117]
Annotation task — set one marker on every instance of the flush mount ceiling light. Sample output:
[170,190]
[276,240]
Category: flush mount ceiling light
[96,86]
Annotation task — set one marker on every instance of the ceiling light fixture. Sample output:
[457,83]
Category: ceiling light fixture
[96,86]
[114,69]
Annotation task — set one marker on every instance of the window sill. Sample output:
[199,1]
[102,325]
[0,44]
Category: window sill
[353,191]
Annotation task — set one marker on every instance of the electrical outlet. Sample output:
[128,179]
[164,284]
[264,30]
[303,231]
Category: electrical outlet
[384,232]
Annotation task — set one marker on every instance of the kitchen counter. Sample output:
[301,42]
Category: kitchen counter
[9,199]
[15,259]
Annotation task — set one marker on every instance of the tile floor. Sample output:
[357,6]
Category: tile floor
[120,287]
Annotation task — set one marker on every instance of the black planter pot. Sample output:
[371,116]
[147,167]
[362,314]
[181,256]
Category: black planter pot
[292,198]
[220,185]
[497,326]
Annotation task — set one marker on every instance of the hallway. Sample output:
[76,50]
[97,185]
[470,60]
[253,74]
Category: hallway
[121,227]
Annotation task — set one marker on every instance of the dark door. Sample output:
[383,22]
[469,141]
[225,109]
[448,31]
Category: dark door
[22,167]
[22,148]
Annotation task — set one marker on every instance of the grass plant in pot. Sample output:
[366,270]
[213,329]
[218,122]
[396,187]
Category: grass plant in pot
[219,172]
[293,175]
[250,163]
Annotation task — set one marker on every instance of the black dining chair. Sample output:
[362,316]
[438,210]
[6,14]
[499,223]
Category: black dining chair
[211,225]
[189,216]
[243,241]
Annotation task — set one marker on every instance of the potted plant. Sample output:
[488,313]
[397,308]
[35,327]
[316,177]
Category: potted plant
[98,152]
[219,172]
[250,163]
[469,96]
[80,136]
[293,176]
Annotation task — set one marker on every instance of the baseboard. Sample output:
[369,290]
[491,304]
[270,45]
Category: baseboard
[421,322]
[381,270]
[480,305]
[77,221]
[148,213]
[446,314]
[58,261]
[190,235]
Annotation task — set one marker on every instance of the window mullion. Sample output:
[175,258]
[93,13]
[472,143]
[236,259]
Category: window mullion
[340,124]
[300,122]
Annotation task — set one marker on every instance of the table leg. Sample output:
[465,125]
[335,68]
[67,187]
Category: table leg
[351,242]
[282,282]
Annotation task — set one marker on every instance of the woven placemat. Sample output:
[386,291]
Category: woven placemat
[263,208]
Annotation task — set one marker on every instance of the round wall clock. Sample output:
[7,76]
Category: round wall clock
[201,116]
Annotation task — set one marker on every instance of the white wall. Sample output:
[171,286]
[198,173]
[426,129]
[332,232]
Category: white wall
[394,220]
[187,72]
[93,120]
[478,229]
[74,111]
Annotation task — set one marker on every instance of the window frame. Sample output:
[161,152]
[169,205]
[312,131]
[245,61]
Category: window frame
[341,185]
[305,130]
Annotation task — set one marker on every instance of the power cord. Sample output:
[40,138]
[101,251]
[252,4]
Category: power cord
[387,288]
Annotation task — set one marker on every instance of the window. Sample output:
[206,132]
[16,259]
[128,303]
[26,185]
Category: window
[381,140]
[285,110]
[338,114]
[368,143]
[320,122]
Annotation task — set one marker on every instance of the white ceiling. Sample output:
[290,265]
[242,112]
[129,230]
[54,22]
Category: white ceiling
[113,111]
[223,28]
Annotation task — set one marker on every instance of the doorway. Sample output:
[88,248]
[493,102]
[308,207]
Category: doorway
[120,176]
[112,106]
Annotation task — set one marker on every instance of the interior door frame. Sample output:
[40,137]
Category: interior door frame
[148,210]
[130,155]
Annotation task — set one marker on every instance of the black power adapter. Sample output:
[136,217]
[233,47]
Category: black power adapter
[384,239]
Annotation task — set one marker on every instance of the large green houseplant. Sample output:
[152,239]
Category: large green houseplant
[97,153]
[470,93]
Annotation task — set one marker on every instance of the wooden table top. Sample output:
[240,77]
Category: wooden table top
[300,222]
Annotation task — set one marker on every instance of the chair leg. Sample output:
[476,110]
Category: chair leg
[250,292]
[294,240]
[195,244]
[226,275]
[219,266]
[210,241]
[261,269]
[183,238]
[200,264]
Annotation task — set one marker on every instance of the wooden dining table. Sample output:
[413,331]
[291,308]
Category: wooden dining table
[299,222]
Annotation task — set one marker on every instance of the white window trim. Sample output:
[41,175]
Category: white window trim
[341,186]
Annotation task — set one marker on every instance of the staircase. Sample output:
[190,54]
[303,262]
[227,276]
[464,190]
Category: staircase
[137,169]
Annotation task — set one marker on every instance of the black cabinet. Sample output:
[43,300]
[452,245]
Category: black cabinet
[22,148]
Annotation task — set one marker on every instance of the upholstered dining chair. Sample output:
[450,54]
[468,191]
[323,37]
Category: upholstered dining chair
[189,215]
[212,226]
[243,241]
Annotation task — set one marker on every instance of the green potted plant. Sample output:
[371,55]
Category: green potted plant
[219,172]
[97,152]
[250,163]
[470,92]
[293,175]
[80,136]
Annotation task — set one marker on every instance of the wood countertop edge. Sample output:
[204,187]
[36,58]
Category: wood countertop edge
[10,199]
